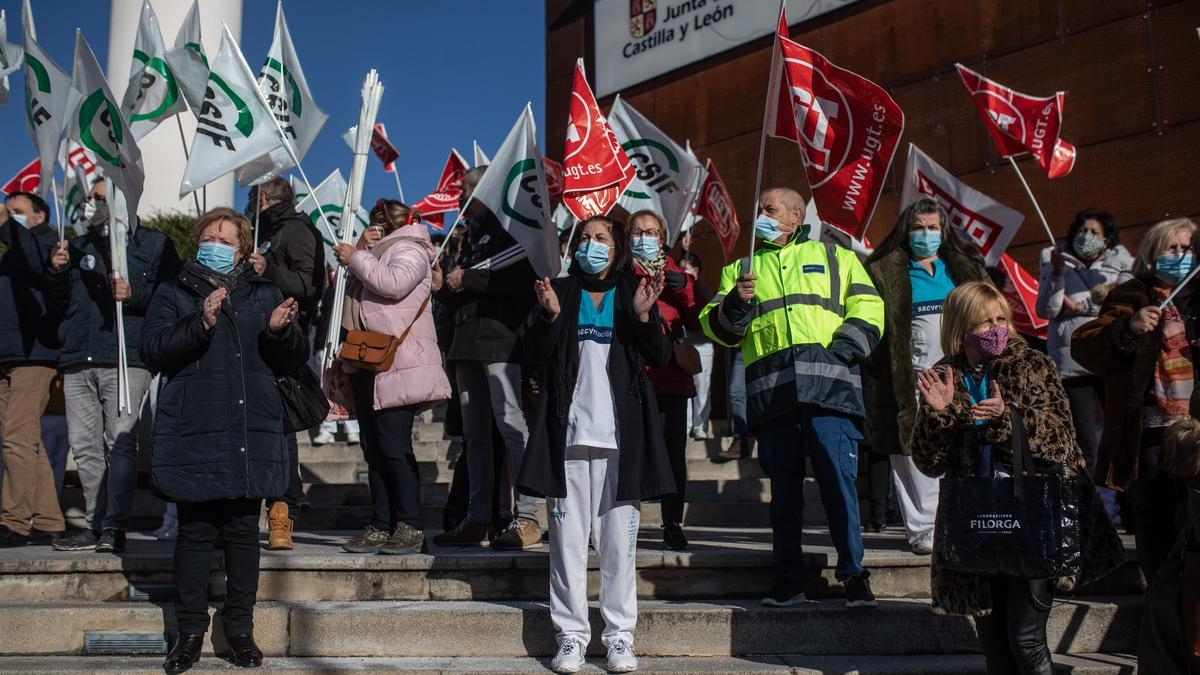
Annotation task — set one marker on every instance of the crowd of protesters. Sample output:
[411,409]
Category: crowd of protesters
[581,393]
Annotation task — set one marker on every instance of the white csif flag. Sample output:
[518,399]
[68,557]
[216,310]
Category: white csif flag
[328,199]
[11,56]
[665,174]
[514,189]
[153,93]
[98,126]
[282,82]
[233,127]
[481,158]
[187,59]
[48,99]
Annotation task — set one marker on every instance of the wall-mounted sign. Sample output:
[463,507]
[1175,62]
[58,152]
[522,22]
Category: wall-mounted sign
[637,40]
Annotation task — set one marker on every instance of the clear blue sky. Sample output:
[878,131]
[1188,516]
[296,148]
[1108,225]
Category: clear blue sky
[453,70]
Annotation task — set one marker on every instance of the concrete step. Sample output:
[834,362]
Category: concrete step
[719,563]
[435,450]
[970,664]
[507,629]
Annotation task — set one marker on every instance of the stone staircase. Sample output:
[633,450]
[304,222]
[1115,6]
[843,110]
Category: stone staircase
[477,610]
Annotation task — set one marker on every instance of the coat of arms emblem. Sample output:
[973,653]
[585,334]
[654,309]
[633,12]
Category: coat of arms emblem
[642,17]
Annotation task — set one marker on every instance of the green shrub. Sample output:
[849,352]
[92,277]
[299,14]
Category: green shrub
[178,226]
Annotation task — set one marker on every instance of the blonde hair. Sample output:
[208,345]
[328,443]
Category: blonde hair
[224,213]
[391,214]
[967,306]
[1156,242]
[1181,449]
[647,213]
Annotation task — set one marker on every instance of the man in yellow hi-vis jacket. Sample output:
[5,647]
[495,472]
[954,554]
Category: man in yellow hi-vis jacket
[805,314]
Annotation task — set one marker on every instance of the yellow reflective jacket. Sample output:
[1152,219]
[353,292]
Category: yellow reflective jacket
[815,316]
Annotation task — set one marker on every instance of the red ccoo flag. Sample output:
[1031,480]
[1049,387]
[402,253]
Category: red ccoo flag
[26,180]
[1021,289]
[847,128]
[383,148]
[717,208]
[596,169]
[449,189]
[1019,123]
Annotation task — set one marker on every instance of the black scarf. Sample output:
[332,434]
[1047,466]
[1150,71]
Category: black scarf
[564,363]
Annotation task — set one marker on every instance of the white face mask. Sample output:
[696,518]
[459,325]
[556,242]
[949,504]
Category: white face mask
[22,219]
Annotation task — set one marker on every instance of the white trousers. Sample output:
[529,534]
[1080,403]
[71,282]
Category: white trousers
[590,508]
[700,405]
[917,495]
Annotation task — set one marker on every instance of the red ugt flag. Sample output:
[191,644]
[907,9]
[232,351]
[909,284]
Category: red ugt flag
[596,169]
[26,180]
[449,189]
[847,128]
[383,148]
[1019,123]
[717,208]
[1021,290]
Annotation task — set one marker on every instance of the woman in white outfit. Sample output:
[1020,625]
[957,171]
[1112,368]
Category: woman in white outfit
[1074,281]
[914,269]
[595,447]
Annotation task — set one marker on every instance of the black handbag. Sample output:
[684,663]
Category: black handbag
[304,404]
[1026,525]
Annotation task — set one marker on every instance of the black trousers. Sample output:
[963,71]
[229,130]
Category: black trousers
[1013,636]
[1159,506]
[673,409]
[294,492]
[879,480]
[1083,397]
[199,523]
[386,440]
[459,499]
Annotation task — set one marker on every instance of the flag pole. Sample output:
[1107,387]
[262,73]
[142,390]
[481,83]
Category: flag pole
[457,220]
[396,174]
[59,208]
[1178,287]
[1036,207]
[772,89]
[257,214]
[186,157]
[287,146]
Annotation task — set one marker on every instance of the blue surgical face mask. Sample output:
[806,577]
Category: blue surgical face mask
[645,248]
[21,218]
[924,243]
[216,256]
[592,256]
[767,228]
[1172,268]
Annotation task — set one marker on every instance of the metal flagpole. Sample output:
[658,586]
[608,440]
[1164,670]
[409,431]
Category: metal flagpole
[1178,287]
[257,213]
[772,89]
[457,220]
[1041,216]
[186,157]
[396,174]
[60,208]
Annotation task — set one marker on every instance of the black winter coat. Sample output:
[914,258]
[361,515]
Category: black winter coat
[218,431]
[295,257]
[28,331]
[644,469]
[492,306]
[82,292]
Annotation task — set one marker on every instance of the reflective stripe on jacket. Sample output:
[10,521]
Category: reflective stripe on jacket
[815,316]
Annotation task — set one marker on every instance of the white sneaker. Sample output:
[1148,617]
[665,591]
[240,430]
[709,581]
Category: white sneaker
[620,657]
[352,438]
[923,545]
[323,438]
[569,658]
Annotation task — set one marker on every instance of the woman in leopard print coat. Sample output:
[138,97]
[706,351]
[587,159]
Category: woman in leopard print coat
[979,344]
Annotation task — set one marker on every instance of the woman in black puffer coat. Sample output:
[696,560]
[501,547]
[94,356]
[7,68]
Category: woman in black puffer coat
[218,334]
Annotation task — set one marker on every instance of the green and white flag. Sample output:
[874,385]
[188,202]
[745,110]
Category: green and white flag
[665,174]
[328,198]
[11,56]
[233,127]
[48,99]
[689,221]
[98,126]
[514,189]
[282,82]
[79,174]
[187,59]
[153,93]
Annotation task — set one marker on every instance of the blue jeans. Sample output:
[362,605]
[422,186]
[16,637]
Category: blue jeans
[737,394]
[830,442]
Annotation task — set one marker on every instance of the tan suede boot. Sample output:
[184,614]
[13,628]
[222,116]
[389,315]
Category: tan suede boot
[280,536]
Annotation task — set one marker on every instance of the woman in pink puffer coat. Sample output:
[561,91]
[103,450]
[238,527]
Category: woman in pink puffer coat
[392,278]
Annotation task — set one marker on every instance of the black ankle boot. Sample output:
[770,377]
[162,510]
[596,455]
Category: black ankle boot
[243,651]
[184,653]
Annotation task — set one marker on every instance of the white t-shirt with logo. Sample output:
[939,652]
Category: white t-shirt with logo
[593,420]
